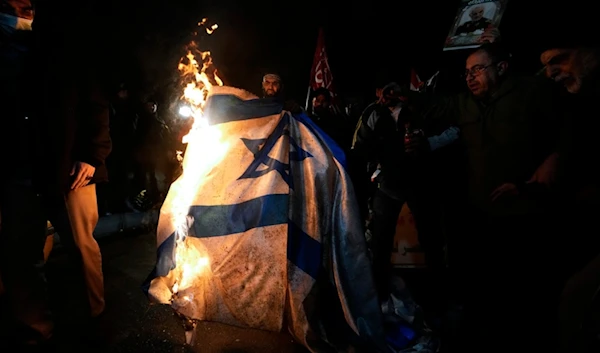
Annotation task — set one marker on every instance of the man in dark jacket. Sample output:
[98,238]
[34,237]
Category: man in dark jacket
[73,111]
[76,116]
[55,139]
[272,87]
[23,228]
[509,133]
[151,151]
[379,139]
[578,70]
[333,122]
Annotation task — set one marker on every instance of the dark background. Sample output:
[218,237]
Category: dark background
[368,42]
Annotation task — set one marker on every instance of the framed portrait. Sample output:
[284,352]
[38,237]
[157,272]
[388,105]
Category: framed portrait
[472,18]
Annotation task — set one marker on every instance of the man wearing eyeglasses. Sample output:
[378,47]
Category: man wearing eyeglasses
[509,137]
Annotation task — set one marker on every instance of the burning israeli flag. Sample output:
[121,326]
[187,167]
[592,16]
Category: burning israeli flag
[262,229]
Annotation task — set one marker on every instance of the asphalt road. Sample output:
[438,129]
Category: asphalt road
[130,324]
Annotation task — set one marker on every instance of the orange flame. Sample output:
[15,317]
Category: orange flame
[204,151]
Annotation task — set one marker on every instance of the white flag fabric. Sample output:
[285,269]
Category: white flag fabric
[275,223]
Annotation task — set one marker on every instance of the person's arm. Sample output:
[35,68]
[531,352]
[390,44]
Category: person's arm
[548,121]
[361,156]
[440,123]
[92,135]
[96,141]
[444,139]
[551,121]
[363,142]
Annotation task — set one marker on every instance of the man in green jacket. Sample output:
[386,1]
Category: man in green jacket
[509,134]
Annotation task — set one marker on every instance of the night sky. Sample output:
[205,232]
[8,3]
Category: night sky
[368,42]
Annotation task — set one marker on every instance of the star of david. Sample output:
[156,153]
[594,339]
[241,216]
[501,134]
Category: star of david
[264,164]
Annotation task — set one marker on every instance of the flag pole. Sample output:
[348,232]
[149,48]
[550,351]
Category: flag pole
[307,100]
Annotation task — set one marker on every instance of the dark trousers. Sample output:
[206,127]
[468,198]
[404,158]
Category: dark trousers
[385,216]
[112,195]
[507,273]
[22,239]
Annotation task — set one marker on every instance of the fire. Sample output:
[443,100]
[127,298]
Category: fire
[210,29]
[204,151]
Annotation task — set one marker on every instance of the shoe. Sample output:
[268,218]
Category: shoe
[31,341]
[47,345]
[132,205]
[140,203]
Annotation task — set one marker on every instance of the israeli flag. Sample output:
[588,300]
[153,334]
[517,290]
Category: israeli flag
[273,234]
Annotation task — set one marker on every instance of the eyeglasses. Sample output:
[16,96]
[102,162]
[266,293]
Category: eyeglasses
[477,70]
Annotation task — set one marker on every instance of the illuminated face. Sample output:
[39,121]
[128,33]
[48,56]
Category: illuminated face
[271,86]
[390,98]
[476,13]
[18,8]
[482,74]
[561,67]
[320,101]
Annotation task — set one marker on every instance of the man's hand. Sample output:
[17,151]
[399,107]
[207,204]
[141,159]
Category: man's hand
[545,174]
[490,35]
[506,189]
[417,143]
[82,173]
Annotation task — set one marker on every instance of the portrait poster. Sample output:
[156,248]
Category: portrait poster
[472,18]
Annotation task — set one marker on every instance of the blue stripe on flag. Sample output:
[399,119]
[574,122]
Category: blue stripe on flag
[166,256]
[165,261]
[303,251]
[225,108]
[213,221]
[337,151]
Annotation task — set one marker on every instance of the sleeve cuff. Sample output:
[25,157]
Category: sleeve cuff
[94,162]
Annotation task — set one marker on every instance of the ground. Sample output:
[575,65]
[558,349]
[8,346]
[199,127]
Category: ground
[130,324]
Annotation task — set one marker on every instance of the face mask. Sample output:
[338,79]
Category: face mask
[13,23]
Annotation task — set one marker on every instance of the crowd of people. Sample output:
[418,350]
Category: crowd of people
[143,161]
[485,172]
[487,175]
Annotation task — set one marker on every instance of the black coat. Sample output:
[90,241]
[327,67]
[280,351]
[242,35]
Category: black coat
[74,117]
[72,111]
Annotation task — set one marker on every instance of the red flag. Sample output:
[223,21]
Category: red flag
[415,81]
[320,74]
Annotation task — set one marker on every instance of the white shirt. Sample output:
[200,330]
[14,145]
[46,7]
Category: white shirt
[396,112]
